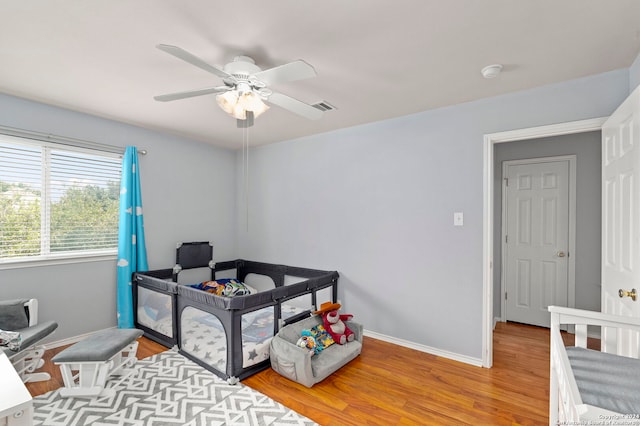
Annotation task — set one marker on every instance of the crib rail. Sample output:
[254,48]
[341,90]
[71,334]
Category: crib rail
[565,404]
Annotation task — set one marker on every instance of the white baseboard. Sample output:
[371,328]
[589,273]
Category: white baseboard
[427,349]
[71,340]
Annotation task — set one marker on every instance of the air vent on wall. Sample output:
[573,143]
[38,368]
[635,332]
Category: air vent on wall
[323,106]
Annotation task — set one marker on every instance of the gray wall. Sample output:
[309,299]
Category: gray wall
[376,202]
[586,147]
[188,192]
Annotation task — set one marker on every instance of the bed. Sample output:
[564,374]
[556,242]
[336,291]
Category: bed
[229,335]
[589,386]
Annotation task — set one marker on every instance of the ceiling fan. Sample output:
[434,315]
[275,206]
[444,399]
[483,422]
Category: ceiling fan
[246,86]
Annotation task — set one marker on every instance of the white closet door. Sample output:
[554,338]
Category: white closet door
[537,239]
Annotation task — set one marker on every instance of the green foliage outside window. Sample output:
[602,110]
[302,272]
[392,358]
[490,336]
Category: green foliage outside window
[19,220]
[84,218]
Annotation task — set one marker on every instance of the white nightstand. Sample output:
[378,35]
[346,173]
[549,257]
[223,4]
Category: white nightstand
[16,408]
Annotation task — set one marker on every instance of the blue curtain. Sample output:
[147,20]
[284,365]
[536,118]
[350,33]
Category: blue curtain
[132,251]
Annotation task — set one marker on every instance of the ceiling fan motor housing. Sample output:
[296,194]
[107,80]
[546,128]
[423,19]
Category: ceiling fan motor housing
[242,67]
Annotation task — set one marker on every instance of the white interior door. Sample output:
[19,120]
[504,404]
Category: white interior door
[621,218]
[536,241]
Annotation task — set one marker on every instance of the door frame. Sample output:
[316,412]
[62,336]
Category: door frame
[571,240]
[488,176]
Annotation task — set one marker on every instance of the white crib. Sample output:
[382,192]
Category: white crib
[607,376]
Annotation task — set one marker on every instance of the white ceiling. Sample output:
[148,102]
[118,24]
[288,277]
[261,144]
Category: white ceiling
[375,59]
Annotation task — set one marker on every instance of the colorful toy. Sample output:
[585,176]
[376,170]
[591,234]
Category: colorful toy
[308,342]
[316,339]
[334,322]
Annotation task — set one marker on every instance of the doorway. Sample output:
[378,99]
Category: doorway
[492,204]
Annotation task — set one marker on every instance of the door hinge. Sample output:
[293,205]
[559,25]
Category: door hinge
[505,296]
[506,239]
[506,181]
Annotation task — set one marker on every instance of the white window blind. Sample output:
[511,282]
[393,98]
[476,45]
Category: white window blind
[56,200]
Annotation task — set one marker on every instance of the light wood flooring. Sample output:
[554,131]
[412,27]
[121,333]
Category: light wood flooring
[392,385]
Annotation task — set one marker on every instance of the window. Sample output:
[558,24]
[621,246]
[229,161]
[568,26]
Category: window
[56,200]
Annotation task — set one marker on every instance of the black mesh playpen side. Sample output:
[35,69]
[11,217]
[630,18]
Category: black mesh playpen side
[229,312]
[155,305]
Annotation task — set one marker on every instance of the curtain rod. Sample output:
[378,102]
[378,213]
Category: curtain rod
[63,140]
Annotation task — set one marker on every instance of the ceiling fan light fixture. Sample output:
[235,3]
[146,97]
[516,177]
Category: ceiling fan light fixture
[227,101]
[239,112]
[251,101]
[237,103]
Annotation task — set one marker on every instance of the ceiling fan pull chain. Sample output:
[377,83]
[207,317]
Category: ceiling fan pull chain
[245,149]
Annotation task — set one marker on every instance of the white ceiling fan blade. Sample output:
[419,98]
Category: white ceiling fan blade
[295,106]
[193,60]
[296,70]
[191,93]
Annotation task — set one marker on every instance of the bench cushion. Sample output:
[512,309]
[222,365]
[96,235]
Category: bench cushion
[605,380]
[100,346]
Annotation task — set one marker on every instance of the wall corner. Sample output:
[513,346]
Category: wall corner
[634,74]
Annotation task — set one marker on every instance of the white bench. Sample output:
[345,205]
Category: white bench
[95,359]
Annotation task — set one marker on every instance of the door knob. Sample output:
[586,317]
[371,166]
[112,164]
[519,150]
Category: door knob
[560,254]
[626,293]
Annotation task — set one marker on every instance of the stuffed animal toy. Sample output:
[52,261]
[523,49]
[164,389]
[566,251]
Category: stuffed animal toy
[307,341]
[334,322]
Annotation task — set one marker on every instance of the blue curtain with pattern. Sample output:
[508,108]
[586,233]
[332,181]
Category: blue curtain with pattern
[132,251]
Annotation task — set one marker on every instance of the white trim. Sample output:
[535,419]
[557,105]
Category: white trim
[57,140]
[73,339]
[581,126]
[477,362]
[487,253]
[37,261]
[571,238]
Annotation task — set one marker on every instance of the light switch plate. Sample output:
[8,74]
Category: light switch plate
[458,219]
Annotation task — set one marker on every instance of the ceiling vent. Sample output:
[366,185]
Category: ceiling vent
[323,106]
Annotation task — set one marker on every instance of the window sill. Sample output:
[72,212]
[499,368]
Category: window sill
[33,262]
